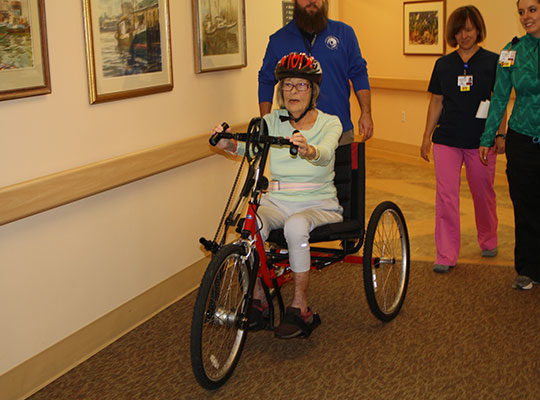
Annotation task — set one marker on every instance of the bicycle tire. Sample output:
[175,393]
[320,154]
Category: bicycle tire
[386,261]
[217,338]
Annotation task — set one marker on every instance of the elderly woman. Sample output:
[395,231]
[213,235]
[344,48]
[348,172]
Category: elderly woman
[302,194]
[519,68]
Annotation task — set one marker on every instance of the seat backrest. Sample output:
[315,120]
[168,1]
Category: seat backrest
[350,180]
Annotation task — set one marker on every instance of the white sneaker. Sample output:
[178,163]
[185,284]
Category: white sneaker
[523,282]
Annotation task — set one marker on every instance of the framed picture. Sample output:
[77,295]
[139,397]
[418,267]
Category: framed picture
[24,58]
[287,10]
[424,27]
[128,48]
[219,29]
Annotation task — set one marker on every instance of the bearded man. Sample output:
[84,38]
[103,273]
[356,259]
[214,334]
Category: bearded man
[335,46]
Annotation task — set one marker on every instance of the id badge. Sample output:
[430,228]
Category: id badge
[507,58]
[465,82]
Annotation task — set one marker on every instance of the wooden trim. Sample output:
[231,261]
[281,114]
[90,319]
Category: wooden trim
[37,372]
[31,197]
[415,85]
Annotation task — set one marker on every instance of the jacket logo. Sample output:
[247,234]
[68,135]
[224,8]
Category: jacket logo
[332,42]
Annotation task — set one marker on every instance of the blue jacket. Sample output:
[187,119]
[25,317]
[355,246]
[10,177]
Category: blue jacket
[336,48]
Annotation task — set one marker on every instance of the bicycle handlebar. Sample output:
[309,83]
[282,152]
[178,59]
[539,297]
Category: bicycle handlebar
[243,137]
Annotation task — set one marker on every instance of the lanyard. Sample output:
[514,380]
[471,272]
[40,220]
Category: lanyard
[309,46]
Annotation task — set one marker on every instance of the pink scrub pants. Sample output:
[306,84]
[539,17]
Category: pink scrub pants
[448,161]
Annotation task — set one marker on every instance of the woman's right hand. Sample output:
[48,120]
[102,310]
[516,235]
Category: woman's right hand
[224,144]
[425,149]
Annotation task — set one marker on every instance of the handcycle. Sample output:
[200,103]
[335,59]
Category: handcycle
[220,317]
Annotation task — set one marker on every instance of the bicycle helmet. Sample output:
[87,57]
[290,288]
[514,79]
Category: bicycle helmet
[299,65]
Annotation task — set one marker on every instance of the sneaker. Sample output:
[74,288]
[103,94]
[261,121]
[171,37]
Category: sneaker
[489,253]
[523,282]
[441,269]
[296,323]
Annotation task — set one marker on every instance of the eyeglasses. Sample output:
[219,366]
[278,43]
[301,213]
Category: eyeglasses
[301,86]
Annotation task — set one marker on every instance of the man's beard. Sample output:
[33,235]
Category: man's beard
[311,23]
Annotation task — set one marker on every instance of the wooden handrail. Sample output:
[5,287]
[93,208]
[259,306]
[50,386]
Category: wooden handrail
[415,85]
[41,194]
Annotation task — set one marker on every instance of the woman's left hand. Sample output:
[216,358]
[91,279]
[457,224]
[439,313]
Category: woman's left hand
[500,145]
[305,150]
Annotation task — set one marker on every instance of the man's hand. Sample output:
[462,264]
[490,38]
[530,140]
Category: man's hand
[365,126]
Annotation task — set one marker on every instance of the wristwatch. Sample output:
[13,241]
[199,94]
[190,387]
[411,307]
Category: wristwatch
[500,135]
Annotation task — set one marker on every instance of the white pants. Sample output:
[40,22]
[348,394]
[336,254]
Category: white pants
[297,219]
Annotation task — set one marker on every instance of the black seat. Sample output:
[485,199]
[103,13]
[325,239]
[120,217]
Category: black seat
[350,182]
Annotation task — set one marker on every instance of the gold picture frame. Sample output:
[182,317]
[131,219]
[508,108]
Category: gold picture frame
[219,31]
[424,27]
[128,48]
[24,56]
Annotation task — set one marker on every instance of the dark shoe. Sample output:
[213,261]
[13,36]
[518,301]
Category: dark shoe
[441,269]
[258,316]
[490,253]
[296,324]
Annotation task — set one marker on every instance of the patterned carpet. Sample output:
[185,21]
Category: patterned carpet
[464,335]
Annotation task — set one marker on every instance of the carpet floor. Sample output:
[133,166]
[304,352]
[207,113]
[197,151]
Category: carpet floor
[462,335]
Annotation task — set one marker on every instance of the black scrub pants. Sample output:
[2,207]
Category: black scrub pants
[523,173]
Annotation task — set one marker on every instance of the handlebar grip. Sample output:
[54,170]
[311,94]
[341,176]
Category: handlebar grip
[216,137]
[293,150]
[209,245]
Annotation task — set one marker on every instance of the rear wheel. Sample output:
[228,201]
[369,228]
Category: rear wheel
[219,323]
[386,261]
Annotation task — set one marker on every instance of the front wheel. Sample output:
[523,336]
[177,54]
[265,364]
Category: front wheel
[219,323]
[386,261]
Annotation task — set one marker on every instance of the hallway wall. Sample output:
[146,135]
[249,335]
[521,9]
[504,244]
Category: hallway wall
[378,25]
[64,268]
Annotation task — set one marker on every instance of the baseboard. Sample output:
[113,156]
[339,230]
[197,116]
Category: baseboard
[38,371]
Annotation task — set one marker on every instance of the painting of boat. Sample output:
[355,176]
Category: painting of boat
[219,27]
[13,17]
[16,50]
[128,48]
[134,25]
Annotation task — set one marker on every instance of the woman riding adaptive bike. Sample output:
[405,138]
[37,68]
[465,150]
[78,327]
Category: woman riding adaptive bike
[301,194]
